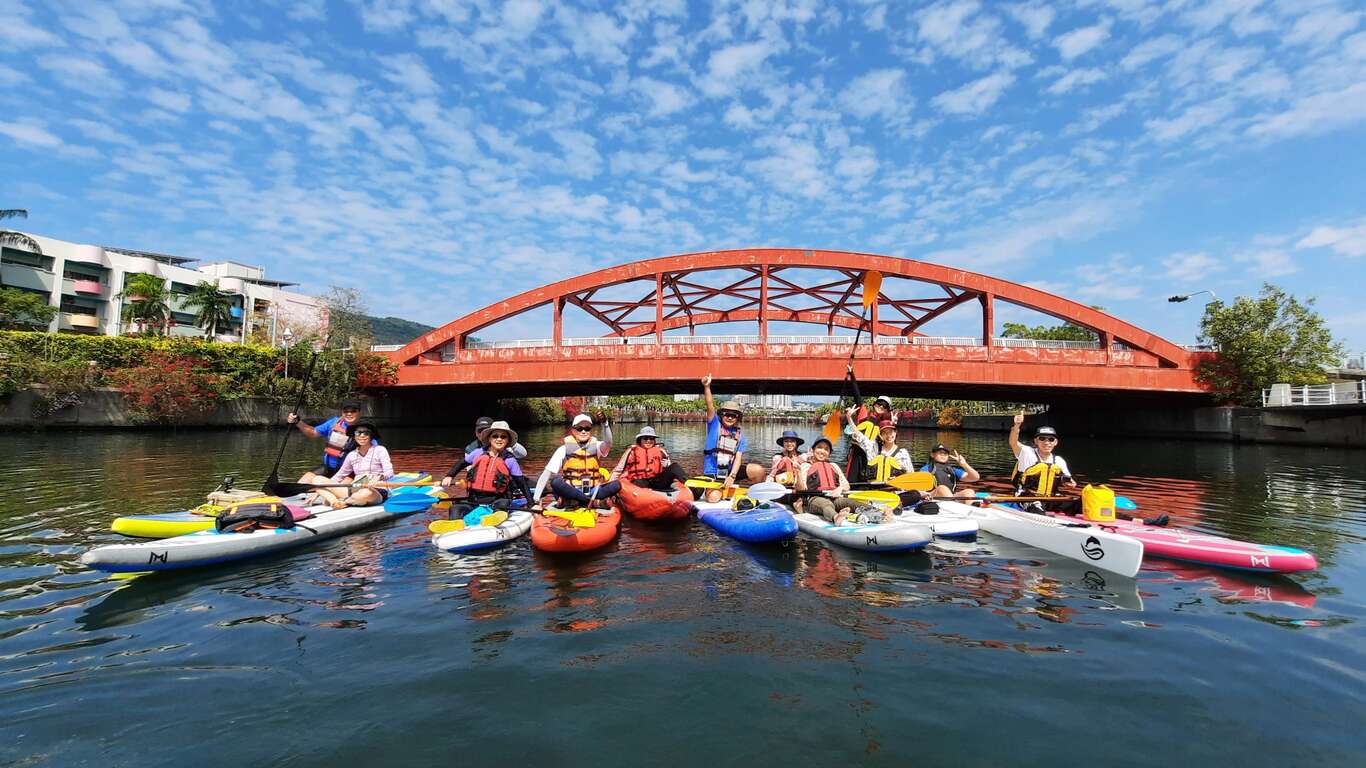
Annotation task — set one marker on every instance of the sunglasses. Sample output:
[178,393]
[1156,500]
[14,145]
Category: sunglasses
[498,436]
[1047,439]
[364,433]
[583,429]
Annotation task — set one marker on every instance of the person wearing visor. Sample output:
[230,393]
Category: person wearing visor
[494,474]
[574,471]
[648,465]
[515,451]
[367,462]
[946,476]
[1039,471]
[335,432]
[723,453]
[786,464]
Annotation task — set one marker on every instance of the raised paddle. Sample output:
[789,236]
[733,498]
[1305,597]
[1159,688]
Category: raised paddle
[274,479]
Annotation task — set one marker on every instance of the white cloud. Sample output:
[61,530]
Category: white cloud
[581,155]
[173,101]
[1189,267]
[408,71]
[1151,50]
[961,30]
[1194,119]
[521,17]
[1031,232]
[1072,44]
[975,97]
[1077,78]
[1035,17]
[1321,27]
[1345,241]
[595,36]
[665,98]
[20,32]
[31,133]
[1268,263]
[881,91]
[728,66]
[1319,113]
[792,166]
[86,75]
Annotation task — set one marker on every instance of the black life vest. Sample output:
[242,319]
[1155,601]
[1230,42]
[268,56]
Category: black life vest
[944,475]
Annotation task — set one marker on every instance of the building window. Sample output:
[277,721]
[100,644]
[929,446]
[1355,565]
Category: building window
[26,258]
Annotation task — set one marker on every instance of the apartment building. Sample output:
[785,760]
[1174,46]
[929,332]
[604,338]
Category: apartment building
[85,282]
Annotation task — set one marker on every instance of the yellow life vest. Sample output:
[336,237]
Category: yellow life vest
[1038,480]
[883,467]
[870,430]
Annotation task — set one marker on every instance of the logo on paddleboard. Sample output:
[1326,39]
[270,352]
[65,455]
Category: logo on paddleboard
[1092,549]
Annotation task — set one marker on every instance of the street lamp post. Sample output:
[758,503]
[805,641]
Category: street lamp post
[1182,297]
[287,337]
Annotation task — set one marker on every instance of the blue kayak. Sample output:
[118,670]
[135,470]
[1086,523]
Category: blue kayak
[766,522]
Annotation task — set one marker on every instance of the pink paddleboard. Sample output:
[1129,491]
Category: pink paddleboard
[1207,549]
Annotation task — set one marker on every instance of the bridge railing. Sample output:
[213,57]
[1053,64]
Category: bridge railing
[919,341]
[1340,393]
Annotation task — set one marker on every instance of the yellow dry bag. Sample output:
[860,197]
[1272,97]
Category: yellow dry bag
[1098,503]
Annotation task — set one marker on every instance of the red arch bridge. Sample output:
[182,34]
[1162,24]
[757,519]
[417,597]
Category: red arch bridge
[649,312]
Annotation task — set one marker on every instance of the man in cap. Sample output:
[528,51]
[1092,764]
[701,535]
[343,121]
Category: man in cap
[946,476]
[723,453]
[647,464]
[574,471]
[336,432]
[1039,471]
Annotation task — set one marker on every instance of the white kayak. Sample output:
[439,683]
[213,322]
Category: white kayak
[1112,552]
[477,537]
[946,525]
[896,536]
[211,547]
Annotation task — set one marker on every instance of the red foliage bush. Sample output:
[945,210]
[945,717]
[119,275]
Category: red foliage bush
[375,371]
[168,389]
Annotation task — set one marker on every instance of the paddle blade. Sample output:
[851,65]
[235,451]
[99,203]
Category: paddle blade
[409,502]
[913,481]
[446,526]
[872,283]
[832,426]
[494,518]
[768,491]
[1124,502]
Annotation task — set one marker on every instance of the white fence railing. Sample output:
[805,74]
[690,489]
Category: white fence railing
[1340,393]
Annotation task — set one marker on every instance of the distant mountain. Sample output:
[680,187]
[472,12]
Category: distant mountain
[396,330]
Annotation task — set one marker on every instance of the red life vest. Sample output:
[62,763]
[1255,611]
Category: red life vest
[337,441]
[489,474]
[643,463]
[784,470]
[822,477]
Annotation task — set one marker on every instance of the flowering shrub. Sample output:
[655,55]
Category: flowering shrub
[375,371]
[168,389]
[951,416]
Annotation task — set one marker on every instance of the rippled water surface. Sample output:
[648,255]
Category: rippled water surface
[674,645]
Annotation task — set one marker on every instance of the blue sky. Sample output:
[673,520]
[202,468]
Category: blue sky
[441,154]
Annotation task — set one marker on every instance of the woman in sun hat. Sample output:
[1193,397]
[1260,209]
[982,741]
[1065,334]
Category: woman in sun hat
[647,464]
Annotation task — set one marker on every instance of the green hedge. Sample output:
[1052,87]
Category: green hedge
[248,370]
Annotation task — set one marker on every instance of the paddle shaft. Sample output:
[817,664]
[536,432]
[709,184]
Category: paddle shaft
[299,403]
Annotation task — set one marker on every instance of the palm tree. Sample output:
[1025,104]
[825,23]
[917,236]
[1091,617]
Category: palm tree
[215,307]
[10,237]
[145,302]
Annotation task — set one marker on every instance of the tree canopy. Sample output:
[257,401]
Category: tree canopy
[1273,338]
[213,307]
[22,310]
[145,302]
[10,237]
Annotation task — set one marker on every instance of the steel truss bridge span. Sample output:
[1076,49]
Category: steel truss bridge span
[770,285]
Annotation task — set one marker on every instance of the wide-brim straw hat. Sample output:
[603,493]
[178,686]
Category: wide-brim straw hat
[498,426]
[732,406]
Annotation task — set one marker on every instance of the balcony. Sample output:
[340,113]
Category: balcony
[90,287]
[71,321]
[23,276]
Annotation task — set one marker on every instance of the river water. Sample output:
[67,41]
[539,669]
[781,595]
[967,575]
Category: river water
[675,646]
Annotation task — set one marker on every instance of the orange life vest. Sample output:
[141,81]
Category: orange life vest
[489,474]
[822,477]
[643,463]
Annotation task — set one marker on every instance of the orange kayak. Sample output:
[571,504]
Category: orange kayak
[646,504]
[551,533]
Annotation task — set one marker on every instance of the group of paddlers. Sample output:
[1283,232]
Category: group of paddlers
[577,476]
